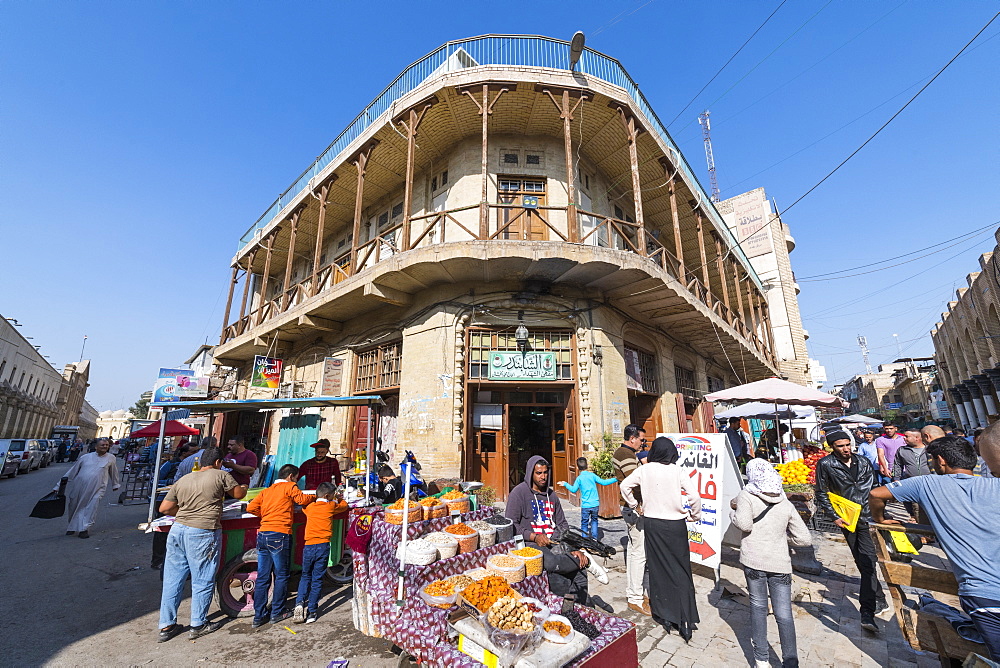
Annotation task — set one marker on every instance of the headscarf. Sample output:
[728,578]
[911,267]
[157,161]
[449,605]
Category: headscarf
[663,451]
[762,478]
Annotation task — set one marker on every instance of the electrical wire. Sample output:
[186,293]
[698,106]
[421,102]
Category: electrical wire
[619,17]
[726,64]
[893,117]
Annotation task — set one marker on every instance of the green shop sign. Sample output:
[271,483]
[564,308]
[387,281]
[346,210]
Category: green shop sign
[522,366]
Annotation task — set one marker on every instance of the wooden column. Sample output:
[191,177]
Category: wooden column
[485,107]
[324,193]
[720,266]
[361,163]
[633,130]
[758,319]
[266,277]
[699,228]
[739,291]
[246,283]
[229,305]
[410,120]
[290,259]
[566,114]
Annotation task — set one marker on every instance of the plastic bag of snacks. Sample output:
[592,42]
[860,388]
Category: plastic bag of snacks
[509,568]
[456,501]
[468,538]
[446,544]
[532,559]
[487,533]
[557,629]
[394,513]
[419,552]
[439,594]
[505,527]
[511,627]
[433,508]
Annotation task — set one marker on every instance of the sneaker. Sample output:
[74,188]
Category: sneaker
[257,623]
[597,571]
[83,534]
[171,631]
[299,615]
[883,610]
[311,619]
[204,629]
[761,664]
[282,617]
[868,624]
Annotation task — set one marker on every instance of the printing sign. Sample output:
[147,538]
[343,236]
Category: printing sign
[521,366]
[708,461]
[266,372]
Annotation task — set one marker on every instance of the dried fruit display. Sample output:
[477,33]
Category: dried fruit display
[460,529]
[460,582]
[440,588]
[509,614]
[509,568]
[532,559]
[483,594]
[557,627]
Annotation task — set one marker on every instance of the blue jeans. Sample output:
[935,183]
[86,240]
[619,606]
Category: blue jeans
[274,551]
[759,584]
[314,560]
[588,521]
[985,615]
[193,552]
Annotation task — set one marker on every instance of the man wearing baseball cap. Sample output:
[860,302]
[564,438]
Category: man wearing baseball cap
[852,477]
[322,467]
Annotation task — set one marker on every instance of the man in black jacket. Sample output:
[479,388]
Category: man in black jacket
[852,477]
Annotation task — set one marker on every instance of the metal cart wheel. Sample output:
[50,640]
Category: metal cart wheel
[235,586]
[342,572]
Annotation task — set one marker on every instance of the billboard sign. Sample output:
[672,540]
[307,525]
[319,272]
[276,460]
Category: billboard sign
[266,372]
[750,215]
[505,365]
[177,384]
[333,377]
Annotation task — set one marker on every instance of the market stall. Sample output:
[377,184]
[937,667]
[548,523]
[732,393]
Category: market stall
[441,614]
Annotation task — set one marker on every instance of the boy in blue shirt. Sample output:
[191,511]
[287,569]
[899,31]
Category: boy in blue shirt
[586,483]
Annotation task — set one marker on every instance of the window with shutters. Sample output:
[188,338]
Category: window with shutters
[640,371]
[482,341]
[378,368]
[685,381]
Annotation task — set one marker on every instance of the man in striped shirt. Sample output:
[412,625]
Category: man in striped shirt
[624,461]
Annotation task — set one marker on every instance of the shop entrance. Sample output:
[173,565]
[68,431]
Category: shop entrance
[511,427]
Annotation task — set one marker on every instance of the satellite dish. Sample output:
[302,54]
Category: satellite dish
[575,49]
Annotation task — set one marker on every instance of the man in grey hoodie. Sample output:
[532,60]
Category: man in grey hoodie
[537,515]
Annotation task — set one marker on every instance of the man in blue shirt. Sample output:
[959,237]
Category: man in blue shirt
[587,482]
[962,509]
[739,440]
[866,447]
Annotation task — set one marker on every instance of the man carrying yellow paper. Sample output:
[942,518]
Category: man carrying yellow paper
[849,478]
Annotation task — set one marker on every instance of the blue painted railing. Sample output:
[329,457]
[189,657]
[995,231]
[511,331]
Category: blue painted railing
[510,50]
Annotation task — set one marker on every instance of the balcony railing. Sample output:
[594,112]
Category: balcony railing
[503,50]
[506,222]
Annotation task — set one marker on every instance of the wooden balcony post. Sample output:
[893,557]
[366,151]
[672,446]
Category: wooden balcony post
[229,305]
[485,107]
[361,163]
[566,110]
[324,193]
[633,130]
[247,275]
[410,120]
[671,175]
[720,267]
[736,286]
[699,219]
[265,278]
[290,259]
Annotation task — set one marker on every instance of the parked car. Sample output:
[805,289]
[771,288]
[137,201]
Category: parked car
[48,451]
[10,456]
[35,452]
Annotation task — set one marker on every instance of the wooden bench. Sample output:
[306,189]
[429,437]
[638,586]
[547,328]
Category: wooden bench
[923,630]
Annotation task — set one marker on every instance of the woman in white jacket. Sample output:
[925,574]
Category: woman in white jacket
[769,522]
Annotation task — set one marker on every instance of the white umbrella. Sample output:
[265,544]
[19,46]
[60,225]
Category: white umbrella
[761,411]
[777,391]
[855,419]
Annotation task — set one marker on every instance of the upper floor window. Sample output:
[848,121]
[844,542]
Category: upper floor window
[379,368]
[640,371]
[482,342]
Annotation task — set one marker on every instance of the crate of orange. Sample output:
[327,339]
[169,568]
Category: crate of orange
[394,512]
[481,595]
[468,538]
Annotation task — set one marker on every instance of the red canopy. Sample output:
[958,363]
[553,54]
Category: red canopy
[172,428]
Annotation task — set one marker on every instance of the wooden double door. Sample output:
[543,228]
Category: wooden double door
[524,424]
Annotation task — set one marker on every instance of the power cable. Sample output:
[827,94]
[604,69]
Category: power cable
[726,64]
[893,117]
[619,17]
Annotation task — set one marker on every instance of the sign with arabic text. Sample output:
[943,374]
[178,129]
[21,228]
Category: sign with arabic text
[709,462]
[266,372]
[506,365]
[177,384]
[333,376]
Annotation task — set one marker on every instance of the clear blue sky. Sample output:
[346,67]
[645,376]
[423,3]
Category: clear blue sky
[140,140]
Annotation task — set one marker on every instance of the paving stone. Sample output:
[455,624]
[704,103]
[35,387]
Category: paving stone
[655,659]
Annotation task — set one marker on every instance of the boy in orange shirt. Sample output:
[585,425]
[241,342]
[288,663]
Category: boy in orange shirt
[316,552]
[275,507]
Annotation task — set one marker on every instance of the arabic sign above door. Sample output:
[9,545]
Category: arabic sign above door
[506,365]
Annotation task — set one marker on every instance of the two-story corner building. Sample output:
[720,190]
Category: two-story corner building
[513,254]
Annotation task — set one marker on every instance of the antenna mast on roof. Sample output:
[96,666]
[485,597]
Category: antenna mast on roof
[863,342]
[706,132]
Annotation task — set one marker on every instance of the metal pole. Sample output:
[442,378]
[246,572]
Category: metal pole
[406,526]
[156,466]
[369,452]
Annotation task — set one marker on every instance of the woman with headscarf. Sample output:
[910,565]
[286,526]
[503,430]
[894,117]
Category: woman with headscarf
[670,500]
[769,522]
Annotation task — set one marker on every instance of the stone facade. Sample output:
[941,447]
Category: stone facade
[418,251]
[29,387]
[967,346]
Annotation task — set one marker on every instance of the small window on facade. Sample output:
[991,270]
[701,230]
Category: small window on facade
[510,158]
[685,381]
[534,186]
[434,184]
[533,159]
[510,185]
[444,178]
[397,210]
[586,181]
[379,368]
[640,371]
[715,384]
[619,214]
[383,219]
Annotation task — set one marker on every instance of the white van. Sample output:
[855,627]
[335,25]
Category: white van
[12,452]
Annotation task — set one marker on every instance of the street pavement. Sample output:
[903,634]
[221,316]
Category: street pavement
[69,601]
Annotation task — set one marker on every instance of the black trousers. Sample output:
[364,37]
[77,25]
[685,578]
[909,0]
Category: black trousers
[863,551]
[565,574]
